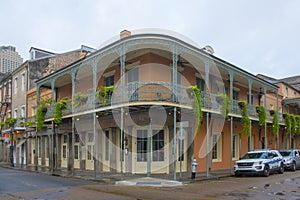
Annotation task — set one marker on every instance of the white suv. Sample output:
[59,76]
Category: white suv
[260,162]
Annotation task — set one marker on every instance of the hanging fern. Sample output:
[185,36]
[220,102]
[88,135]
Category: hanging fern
[79,99]
[293,124]
[103,94]
[225,105]
[275,123]
[197,105]
[58,108]
[245,120]
[40,116]
[262,115]
[287,123]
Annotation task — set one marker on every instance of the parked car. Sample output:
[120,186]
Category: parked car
[291,159]
[259,162]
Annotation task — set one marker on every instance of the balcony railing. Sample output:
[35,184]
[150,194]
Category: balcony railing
[157,91]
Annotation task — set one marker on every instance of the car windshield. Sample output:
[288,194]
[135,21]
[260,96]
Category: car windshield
[255,155]
[286,153]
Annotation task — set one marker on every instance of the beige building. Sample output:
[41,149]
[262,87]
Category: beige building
[9,59]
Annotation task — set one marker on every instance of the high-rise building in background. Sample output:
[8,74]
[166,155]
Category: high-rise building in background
[9,59]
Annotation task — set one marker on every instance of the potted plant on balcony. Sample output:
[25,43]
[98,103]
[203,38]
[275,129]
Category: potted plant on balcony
[242,104]
[245,119]
[58,108]
[79,99]
[10,121]
[104,93]
[275,126]
[261,115]
[29,123]
[190,92]
[2,124]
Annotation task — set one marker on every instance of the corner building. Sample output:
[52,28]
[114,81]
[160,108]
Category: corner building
[130,110]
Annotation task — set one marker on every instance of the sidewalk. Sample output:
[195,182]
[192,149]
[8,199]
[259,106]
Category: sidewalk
[131,179]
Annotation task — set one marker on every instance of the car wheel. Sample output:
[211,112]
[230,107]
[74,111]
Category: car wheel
[266,171]
[293,168]
[237,175]
[281,169]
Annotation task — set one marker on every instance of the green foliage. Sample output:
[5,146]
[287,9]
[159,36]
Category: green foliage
[29,123]
[10,121]
[2,124]
[225,105]
[288,123]
[245,120]
[58,108]
[298,124]
[79,99]
[40,115]
[197,105]
[262,115]
[103,94]
[275,123]
[293,124]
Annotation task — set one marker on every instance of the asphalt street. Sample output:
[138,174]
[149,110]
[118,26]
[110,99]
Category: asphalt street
[15,184]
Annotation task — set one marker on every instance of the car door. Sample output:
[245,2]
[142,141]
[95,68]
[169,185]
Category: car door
[297,158]
[275,160]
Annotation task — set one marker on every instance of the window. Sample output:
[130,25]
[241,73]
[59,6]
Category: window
[77,138]
[16,113]
[76,147]
[76,152]
[22,111]
[90,152]
[46,147]
[235,95]
[158,145]
[217,147]
[39,147]
[90,137]
[23,81]
[64,151]
[109,80]
[16,85]
[235,147]
[142,145]
[248,99]
[65,139]
[180,147]
[106,145]
[200,83]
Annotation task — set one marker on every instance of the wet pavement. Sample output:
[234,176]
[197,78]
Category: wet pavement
[15,184]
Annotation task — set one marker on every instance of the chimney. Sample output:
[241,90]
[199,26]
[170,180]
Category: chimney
[82,54]
[124,34]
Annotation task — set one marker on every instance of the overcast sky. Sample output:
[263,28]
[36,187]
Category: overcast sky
[258,36]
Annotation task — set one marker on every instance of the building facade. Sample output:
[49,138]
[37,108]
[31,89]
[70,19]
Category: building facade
[9,59]
[22,105]
[149,104]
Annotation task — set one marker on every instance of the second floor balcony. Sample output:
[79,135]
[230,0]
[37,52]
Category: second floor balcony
[147,93]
